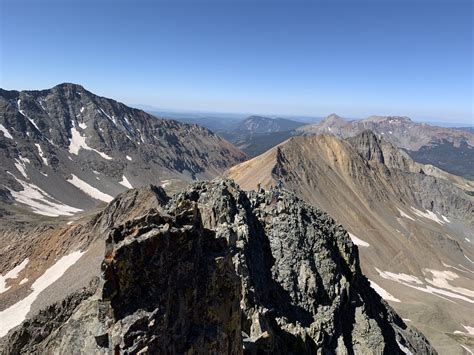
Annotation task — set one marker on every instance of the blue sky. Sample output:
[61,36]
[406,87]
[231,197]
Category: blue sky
[355,58]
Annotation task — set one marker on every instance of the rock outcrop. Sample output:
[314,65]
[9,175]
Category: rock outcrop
[217,270]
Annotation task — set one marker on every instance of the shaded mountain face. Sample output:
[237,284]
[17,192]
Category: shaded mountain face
[257,134]
[413,223]
[446,148]
[211,270]
[65,149]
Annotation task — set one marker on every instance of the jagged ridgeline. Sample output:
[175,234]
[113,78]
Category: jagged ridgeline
[65,149]
[215,270]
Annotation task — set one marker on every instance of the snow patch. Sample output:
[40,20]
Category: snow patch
[428,214]
[5,132]
[89,190]
[472,262]
[16,314]
[12,274]
[165,183]
[399,277]
[440,279]
[125,182]
[467,349]
[41,202]
[82,125]
[107,115]
[82,109]
[358,241]
[445,219]
[128,157]
[469,329]
[382,293]
[443,288]
[24,281]
[79,142]
[40,151]
[403,214]
[21,167]
[403,348]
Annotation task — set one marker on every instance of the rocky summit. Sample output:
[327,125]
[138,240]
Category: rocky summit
[218,270]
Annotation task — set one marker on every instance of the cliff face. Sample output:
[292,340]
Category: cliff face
[217,270]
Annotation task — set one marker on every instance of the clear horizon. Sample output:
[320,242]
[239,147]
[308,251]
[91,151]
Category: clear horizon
[357,59]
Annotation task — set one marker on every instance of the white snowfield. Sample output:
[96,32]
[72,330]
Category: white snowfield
[438,285]
[12,274]
[382,293]
[78,142]
[125,182]
[41,202]
[90,190]
[403,214]
[357,241]
[5,132]
[430,215]
[16,314]
[40,152]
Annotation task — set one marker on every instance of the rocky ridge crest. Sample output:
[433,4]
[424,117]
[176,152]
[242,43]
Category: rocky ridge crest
[218,270]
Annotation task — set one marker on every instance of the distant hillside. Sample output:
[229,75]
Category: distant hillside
[214,123]
[259,124]
[257,134]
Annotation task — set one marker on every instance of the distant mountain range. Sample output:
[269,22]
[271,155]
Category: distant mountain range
[65,149]
[447,148]
[124,231]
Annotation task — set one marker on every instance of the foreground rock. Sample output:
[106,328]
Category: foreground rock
[217,270]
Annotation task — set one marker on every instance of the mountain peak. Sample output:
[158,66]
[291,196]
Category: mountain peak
[334,116]
[333,119]
[69,86]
